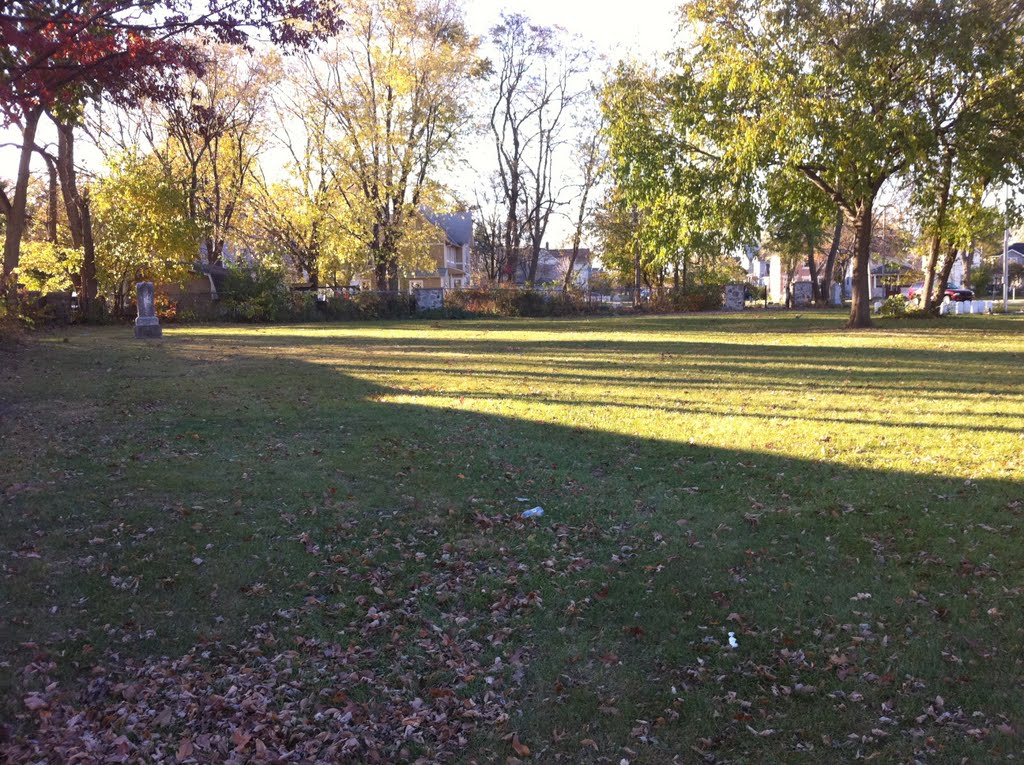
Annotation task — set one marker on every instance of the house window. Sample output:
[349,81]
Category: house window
[457,283]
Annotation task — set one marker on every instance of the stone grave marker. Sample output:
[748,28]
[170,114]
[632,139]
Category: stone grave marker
[429,298]
[735,297]
[802,293]
[147,325]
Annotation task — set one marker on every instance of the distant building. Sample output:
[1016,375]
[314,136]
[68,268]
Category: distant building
[552,265]
[450,253]
[449,250]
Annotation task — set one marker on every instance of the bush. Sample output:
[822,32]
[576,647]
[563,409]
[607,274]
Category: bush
[516,302]
[255,295]
[687,300]
[384,305]
[895,306]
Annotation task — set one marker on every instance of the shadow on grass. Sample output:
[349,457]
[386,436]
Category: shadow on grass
[869,587]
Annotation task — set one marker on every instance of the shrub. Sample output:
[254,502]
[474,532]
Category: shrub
[894,306]
[384,305]
[688,300]
[255,295]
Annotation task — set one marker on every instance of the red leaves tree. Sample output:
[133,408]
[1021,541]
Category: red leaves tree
[56,56]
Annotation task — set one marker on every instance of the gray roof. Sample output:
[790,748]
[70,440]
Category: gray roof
[458,227]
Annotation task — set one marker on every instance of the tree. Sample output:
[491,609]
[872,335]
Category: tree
[689,207]
[975,135]
[827,89]
[58,56]
[537,81]
[144,231]
[395,84]
[797,221]
[590,154]
[489,253]
[209,140]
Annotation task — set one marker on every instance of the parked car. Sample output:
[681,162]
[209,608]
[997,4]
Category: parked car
[956,294]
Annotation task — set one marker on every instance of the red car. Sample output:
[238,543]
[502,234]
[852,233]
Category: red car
[956,294]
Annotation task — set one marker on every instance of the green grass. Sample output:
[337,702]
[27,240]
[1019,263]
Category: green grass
[848,503]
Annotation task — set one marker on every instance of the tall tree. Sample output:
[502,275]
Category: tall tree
[690,206]
[975,139]
[538,78]
[396,83]
[590,155]
[209,140]
[826,88]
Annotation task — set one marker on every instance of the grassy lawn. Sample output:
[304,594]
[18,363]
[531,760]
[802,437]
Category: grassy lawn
[303,543]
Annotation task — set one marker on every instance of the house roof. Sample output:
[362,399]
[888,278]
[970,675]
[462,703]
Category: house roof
[458,227]
[890,267]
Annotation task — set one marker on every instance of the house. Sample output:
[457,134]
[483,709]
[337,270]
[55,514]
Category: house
[450,253]
[753,264]
[196,295]
[1014,254]
[552,265]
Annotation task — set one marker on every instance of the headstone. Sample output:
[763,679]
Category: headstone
[837,294]
[802,293]
[943,308]
[147,325]
[429,298]
[735,297]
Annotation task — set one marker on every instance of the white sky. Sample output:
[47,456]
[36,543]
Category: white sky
[642,27]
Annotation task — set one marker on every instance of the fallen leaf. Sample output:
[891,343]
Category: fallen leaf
[185,748]
[34,702]
[521,749]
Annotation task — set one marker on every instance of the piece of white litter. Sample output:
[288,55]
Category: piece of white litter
[522,499]
[533,512]
[732,640]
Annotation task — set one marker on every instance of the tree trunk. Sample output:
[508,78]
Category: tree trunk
[942,278]
[79,217]
[830,262]
[636,258]
[675,276]
[967,256]
[860,308]
[69,183]
[52,200]
[945,181]
[790,276]
[812,268]
[87,297]
[15,227]
[534,260]
[572,260]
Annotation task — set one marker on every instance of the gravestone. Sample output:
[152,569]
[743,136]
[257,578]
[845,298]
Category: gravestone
[147,325]
[429,298]
[802,293]
[735,297]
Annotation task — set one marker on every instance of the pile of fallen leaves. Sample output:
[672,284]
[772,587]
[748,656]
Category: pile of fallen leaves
[403,688]
[261,702]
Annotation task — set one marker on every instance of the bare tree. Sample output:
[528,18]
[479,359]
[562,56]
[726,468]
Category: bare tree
[590,154]
[537,80]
